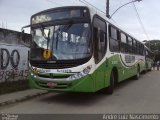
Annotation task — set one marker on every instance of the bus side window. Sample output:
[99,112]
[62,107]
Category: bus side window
[134,46]
[137,45]
[123,43]
[142,50]
[102,41]
[114,41]
[95,37]
[130,45]
[99,39]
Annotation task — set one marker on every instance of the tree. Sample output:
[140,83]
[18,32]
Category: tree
[154,45]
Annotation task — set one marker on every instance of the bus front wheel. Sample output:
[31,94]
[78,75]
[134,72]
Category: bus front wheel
[110,89]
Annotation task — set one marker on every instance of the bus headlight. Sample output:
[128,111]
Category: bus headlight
[80,74]
[87,70]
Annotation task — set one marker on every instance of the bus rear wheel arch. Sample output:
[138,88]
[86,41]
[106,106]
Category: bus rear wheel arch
[136,77]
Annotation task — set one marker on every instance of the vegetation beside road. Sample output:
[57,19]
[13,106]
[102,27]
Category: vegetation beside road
[154,45]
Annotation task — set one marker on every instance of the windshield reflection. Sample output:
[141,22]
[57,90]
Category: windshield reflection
[67,42]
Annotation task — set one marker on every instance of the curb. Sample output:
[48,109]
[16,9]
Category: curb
[22,99]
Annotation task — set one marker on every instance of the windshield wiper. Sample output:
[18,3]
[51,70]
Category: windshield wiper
[44,34]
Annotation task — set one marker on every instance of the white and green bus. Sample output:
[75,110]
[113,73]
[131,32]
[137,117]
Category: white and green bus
[149,57]
[77,49]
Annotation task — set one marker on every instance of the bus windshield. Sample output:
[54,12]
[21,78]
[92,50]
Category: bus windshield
[66,42]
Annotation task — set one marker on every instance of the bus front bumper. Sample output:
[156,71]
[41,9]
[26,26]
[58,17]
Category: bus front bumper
[84,84]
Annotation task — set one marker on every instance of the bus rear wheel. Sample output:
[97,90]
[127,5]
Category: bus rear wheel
[136,77]
[112,82]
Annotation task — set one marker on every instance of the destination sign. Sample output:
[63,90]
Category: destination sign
[59,14]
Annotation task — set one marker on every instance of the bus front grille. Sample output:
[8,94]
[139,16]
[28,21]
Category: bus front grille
[54,66]
[55,76]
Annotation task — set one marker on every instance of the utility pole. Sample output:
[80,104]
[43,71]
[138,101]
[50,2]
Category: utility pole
[107,9]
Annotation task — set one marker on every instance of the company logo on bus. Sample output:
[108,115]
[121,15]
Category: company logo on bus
[47,54]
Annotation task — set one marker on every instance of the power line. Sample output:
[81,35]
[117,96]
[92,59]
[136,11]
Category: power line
[140,21]
[114,21]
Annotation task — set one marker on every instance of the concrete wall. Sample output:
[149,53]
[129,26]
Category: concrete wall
[13,56]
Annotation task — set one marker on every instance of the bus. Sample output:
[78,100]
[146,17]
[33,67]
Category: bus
[78,49]
[149,57]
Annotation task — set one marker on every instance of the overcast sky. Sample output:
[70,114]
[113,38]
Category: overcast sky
[16,13]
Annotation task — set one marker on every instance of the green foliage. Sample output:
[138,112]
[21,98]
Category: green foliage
[154,45]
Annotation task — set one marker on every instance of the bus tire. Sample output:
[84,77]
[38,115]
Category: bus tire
[110,89]
[136,77]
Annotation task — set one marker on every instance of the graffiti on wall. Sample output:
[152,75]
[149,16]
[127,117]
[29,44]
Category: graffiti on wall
[13,62]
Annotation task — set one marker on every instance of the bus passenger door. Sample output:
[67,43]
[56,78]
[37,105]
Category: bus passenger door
[100,46]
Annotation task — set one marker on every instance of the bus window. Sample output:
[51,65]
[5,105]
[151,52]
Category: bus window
[130,44]
[99,38]
[114,42]
[123,43]
[138,48]
[142,49]
[134,47]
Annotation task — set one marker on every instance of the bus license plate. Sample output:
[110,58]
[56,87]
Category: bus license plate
[52,85]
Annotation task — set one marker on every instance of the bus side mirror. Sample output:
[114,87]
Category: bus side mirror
[25,38]
[22,40]
[22,35]
[23,32]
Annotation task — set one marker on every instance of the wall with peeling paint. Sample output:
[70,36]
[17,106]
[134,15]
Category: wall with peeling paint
[13,55]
